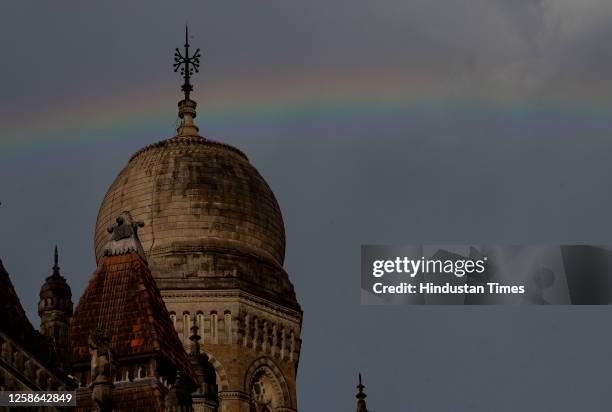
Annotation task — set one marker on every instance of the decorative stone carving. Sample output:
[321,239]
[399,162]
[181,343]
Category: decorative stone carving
[41,379]
[179,397]
[261,395]
[29,369]
[124,236]
[101,371]
[18,360]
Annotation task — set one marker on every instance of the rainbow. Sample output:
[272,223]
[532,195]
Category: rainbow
[322,98]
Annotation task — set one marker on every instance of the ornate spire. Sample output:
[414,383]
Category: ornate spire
[361,403]
[188,65]
[55,310]
[56,268]
[205,397]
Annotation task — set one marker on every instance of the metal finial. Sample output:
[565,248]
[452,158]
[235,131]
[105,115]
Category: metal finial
[361,403]
[55,261]
[188,64]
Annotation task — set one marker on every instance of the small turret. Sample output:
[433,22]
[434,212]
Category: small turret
[55,310]
[205,398]
[361,403]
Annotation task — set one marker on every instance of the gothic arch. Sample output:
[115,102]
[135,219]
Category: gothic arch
[222,384]
[266,367]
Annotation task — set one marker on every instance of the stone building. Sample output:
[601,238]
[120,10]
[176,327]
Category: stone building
[29,360]
[189,308]
[214,240]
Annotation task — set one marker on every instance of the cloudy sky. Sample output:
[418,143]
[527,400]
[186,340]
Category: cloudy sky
[393,122]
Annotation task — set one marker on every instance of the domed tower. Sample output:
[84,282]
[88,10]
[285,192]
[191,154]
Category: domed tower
[55,310]
[215,242]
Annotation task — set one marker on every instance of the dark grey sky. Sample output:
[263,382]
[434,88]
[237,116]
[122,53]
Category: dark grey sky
[374,122]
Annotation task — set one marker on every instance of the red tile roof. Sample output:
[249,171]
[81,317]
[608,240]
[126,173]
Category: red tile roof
[15,323]
[12,311]
[124,301]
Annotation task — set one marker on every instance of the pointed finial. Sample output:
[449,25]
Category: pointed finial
[55,262]
[188,65]
[360,387]
[361,403]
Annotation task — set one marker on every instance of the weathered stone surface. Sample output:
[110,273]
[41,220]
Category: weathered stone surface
[244,337]
[214,240]
[28,360]
[195,189]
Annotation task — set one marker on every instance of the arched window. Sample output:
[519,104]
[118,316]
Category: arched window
[283,344]
[214,327]
[200,323]
[142,371]
[247,330]
[173,319]
[291,345]
[227,323]
[186,326]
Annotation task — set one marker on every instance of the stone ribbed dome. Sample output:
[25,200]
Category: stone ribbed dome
[194,193]
[211,220]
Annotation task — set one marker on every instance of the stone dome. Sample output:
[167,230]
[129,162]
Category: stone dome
[55,286]
[207,213]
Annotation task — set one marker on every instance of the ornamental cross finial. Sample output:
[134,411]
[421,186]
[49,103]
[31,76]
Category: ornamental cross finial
[188,64]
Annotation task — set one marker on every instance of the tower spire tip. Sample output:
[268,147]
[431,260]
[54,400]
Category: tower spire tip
[188,64]
[361,403]
[55,261]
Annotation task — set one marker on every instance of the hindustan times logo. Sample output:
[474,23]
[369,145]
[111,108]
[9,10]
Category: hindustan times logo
[412,267]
